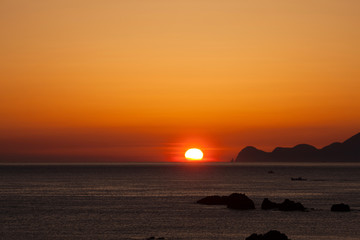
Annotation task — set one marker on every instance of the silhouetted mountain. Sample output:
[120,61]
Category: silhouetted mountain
[348,151]
[253,153]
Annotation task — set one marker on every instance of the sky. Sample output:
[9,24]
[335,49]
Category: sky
[143,80]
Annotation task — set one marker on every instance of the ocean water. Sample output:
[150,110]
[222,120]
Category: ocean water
[137,201]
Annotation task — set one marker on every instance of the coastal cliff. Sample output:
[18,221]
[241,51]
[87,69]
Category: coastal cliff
[347,151]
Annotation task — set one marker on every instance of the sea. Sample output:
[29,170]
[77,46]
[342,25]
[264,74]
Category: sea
[142,200]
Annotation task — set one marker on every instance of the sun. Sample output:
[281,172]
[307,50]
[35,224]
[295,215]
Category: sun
[194,154]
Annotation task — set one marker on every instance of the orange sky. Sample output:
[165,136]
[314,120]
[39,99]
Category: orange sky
[144,80]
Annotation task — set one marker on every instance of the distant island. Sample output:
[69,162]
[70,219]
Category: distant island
[347,151]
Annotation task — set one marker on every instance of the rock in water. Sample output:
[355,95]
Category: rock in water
[214,200]
[271,235]
[340,208]
[289,205]
[240,201]
[267,204]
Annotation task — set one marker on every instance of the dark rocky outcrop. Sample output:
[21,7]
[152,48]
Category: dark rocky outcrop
[234,201]
[340,208]
[267,204]
[214,200]
[271,235]
[348,151]
[298,179]
[240,202]
[287,205]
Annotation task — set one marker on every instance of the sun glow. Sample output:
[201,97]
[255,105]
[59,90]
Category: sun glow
[194,154]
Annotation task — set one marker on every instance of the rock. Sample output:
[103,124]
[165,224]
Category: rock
[340,208]
[234,201]
[298,179]
[271,235]
[214,200]
[254,236]
[289,205]
[240,202]
[267,204]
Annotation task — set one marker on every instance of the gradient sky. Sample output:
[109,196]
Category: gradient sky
[143,80]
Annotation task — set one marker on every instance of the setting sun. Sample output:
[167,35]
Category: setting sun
[194,154]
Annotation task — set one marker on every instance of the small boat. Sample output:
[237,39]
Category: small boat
[298,179]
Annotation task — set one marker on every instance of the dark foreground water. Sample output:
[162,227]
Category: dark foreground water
[139,201]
